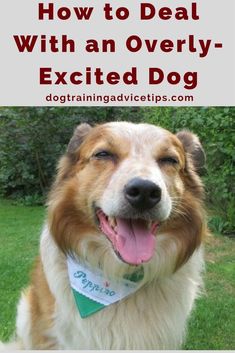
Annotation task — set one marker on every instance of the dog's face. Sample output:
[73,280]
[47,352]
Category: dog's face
[121,186]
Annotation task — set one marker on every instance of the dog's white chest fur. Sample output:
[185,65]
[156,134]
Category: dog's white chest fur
[152,318]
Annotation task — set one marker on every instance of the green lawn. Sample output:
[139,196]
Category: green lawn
[212,323]
[19,237]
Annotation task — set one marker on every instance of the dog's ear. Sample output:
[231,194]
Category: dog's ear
[78,137]
[193,147]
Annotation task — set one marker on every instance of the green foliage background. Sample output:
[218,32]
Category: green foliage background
[32,139]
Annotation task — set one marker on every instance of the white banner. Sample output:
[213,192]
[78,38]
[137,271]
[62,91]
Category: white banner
[117,53]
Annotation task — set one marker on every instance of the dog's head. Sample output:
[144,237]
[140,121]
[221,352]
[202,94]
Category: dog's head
[129,192]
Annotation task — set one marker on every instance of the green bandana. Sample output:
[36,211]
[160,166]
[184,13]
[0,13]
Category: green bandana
[93,292]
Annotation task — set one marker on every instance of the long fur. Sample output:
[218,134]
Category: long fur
[155,316]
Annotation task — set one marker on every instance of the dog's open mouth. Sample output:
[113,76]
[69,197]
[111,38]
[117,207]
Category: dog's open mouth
[132,239]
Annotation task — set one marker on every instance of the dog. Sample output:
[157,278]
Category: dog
[121,251]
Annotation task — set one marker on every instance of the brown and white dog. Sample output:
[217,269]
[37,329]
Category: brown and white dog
[126,197]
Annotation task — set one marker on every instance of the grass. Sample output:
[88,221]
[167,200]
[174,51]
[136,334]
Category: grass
[211,325]
[213,321]
[19,237]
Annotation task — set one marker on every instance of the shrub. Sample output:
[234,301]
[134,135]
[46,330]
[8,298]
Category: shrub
[31,141]
[216,128]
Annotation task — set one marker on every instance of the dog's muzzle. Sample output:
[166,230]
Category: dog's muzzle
[142,194]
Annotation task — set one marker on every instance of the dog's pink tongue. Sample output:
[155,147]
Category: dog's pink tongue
[135,241]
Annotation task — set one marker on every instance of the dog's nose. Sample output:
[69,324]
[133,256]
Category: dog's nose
[142,194]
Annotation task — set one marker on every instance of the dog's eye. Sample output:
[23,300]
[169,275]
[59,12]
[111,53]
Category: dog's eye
[168,160]
[103,155]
